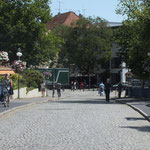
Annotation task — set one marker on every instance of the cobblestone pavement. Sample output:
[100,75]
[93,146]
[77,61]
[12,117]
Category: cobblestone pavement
[77,121]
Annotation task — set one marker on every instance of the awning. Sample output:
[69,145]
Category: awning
[7,71]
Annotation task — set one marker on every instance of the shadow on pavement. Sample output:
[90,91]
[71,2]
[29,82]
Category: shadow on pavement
[141,129]
[128,100]
[56,109]
[12,105]
[134,119]
[94,101]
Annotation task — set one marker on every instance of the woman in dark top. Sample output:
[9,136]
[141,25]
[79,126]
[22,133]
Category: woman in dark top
[107,90]
[7,85]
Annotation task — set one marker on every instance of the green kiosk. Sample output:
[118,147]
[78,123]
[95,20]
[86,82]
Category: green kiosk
[56,75]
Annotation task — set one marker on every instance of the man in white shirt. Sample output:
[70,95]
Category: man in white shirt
[43,89]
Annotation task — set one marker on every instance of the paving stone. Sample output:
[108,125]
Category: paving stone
[77,121]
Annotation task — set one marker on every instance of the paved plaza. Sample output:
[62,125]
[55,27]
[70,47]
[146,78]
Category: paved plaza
[77,121]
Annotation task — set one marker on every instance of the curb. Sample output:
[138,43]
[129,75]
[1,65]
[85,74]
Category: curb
[23,106]
[136,109]
[140,111]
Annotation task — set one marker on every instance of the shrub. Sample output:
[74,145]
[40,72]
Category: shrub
[1,79]
[33,78]
[14,78]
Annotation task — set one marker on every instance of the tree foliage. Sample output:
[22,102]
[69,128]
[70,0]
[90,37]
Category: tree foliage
[23,24]
[33,78]
[86,43]
[134,36]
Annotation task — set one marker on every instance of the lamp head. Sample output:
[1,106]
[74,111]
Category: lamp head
[148,54]
[19,54]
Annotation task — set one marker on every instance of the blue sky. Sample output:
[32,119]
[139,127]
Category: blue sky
[101,8]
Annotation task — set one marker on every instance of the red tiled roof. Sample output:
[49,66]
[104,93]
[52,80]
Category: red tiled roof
[65,19]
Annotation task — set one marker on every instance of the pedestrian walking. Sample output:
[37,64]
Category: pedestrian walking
[101,89]
[58,87]
[77,85]
[74,85]
[126,91]
[119,89]
[7,89]
[53,89]
[71,85]
[82,86]
[85,85]
[107,90]
[63,88]
[43,88]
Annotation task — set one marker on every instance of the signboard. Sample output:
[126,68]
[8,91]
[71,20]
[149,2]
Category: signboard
[56,75]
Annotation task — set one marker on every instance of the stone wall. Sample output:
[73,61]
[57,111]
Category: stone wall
[24,94]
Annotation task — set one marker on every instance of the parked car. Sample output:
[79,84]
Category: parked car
[114,87]
[136,83]
[124,85]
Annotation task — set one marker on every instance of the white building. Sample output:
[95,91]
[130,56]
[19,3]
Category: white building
[117,69]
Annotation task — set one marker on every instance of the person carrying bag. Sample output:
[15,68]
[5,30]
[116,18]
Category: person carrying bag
[11,91]
[7,88]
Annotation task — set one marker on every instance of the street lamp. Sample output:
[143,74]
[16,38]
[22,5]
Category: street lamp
[19,54]
[148,54]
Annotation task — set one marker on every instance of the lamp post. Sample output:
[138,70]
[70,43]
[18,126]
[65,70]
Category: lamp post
[148,54]
[19,54]
[89,80]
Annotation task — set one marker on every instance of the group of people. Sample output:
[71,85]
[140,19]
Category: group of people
[106,88]
[76,85]
[54,87]
[7,89]
[58,88]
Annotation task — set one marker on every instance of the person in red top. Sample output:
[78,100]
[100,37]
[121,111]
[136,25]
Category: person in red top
[82,85]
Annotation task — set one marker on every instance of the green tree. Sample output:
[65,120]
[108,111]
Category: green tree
[134,36]
[33,78]
[86,43]
[62,32]
[23,24]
